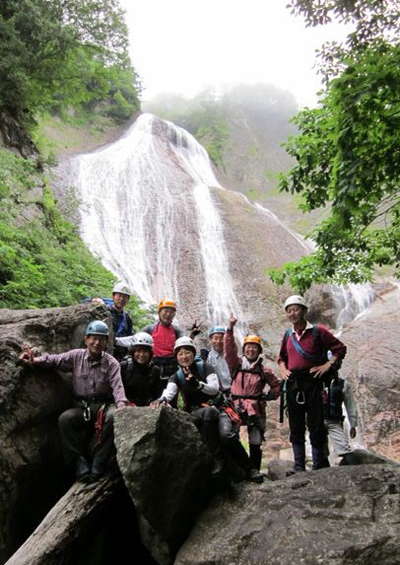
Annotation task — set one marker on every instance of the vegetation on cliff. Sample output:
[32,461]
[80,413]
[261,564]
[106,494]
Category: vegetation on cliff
[44,262]
[241,128]
[60,53]
[67,58]
[348,149]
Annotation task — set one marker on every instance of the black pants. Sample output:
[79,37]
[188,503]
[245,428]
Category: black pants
[77,434]
[206,419]
[305,407]
[221,434]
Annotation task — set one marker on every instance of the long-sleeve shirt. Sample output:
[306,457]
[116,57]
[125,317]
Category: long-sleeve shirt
[248,379]
[316,343]
[90,377]
[164,338]
[194,392]
[122,323]
[142,382]
[218,362]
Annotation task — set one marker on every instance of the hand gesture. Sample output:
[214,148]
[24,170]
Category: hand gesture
[320,370]
[284,371]
[188,375]
[27,356]
[158,403]
[195,329]
[232,321]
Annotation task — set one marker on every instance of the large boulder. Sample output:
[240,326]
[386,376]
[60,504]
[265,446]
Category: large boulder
[31,466]
[337,516]
[372,365]
[166,468]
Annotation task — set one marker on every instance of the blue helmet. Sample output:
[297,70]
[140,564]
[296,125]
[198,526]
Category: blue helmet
[216,330]
[97,327]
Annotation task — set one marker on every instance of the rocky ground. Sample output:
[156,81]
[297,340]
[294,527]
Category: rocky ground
[346,515]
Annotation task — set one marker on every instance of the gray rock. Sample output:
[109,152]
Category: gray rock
[166,468]
[371,366]
[278,469]
[337,516]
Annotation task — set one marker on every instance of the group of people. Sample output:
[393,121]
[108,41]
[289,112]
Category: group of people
[223,389]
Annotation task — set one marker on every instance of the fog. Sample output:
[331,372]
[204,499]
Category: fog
[184,46]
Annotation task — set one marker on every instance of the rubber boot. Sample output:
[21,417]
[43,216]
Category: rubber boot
[255,456]
[82,470]
[299,454]
[320,460]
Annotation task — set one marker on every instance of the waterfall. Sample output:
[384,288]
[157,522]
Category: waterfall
[352,300]
[146,211]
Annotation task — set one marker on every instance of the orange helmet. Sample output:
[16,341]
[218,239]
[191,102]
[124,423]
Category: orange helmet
[253,339]
[166,303]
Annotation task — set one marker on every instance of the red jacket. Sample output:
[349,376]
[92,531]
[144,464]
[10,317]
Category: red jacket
[246,382]
[315,343]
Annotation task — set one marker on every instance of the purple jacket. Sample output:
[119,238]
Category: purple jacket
[101,377]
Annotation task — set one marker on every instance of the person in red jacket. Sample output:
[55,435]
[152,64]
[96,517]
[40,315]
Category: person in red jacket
[164,335]
[304,364]
[249,379]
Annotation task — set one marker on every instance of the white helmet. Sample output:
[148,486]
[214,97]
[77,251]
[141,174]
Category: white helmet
[143,339]
[121,288]
[295,299]
[184,341]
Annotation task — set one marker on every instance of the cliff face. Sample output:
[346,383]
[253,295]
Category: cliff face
[256,240]
[372,367]
[149,211]
[14,136]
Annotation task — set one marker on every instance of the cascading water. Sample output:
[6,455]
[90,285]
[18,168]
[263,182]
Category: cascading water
[352,300]
[146,211]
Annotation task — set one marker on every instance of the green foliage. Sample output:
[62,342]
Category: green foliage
[57,53]
[213,119]
[44,263]
[372,21]
[204,118]
[348,155]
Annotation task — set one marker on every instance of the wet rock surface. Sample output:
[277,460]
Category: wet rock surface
[342,515]
[372,366]
[32,475]
[166,468]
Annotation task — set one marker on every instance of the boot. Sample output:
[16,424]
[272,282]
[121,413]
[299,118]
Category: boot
[239,454]
[255,456]
[320,460]
[349,459]
[299,454]
[254,476]
[99,467]
[82,469]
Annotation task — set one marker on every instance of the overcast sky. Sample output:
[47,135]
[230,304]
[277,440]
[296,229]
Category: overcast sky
[185,46]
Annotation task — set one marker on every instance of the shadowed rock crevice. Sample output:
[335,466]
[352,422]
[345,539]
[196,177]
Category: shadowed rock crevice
[32,475]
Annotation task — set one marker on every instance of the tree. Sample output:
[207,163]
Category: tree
[348,151]
[60,52]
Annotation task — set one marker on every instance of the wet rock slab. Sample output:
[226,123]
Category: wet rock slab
[337,516]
